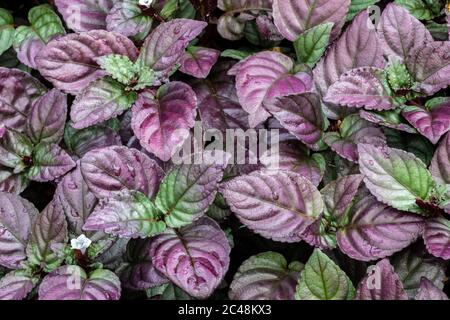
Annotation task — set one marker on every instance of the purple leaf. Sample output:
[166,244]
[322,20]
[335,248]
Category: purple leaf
[264,76]
[14,148]
[84,15]
[127,18]
[49,229]
[301,115]
[102,100]
[278,205]
[375,230]
[353,131]
[195,258]
[47,118]
[357,47]
[49,162]
[69,62]
[11,182]
[73,283]
[139,272]
[361,88]
[16,285]
[29,50]
[110,170]
[265,276]
[430,66]
[440,164]
[164,47]
[16,215]
[267,29]
[18,92]
[293,17]
[432,123]
[381,283]
[198,61]
[400,31]
[428,291]
[437,237]
[162,123]
[388,119]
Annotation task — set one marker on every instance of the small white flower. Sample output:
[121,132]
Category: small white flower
[146,3]
[81,243]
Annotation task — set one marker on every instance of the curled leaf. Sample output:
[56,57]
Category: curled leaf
[437,237]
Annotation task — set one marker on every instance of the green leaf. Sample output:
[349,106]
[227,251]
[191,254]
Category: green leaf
[237,54]
[167,291]
[45,24]
[14,148]
[6,30]
[395,177]
[322,279]
[185,10]
[311,45]
[422,9]
[398,76]
[359,5]
[413,143]
[119,67]
[438,31]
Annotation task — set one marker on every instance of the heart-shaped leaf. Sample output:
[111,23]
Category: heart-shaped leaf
[301,115]
[381,283]
[293,17]
[322,279]
[395,177]
[264,76]
[198,61]
[278,205]
[127,18]
[85,15]
[16,215]
[195,258]
[18,92]
[110,170]
[69,62]
[47,118]
[440,164]
[437,237]
[265,276]
[16,285]
[73,283]
[372,230]
[428,291]
[353,131]
[6,30]
[162,122]
[102,100]
[128,215]
[311,45]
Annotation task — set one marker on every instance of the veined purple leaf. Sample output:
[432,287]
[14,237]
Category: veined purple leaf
[47,118]
[361,88]
[231,27]
[198,61]
[395,177]
[293,17]
[430,65]
[195,258]
[264,76]
[112,255]
[440,164]
[162,122]
[11,182]
[76,200]
[278,205]
[139,273]
[18,92]
[16,285]
[14,148]
[85,15]
[357,47]
[188,190]
[353,131]
[127,215]
[400,31]
[437,237]
[319,235]
[69,62]
[428,291]
[292,157]
[49,162]
[265,276]
[102,100]
[127,18]
[301,115]
[73,283]
[29,50]
[267,30]
[381,283]
[110,170]
[389,119]
[431,122]
[50,228]
[373,230]
[164,47]
[16,215]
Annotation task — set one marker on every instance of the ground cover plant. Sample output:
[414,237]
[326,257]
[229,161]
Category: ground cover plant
[98,97]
